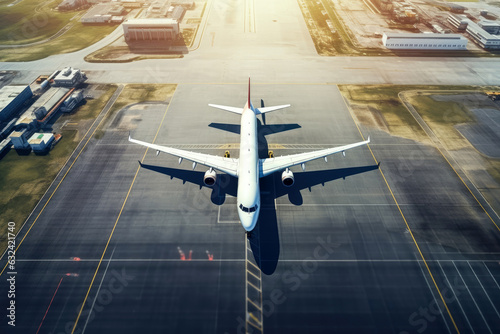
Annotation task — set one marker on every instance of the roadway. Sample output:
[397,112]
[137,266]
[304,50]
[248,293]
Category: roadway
[277,48]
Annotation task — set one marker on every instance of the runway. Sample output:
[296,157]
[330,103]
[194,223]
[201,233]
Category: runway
[120,247]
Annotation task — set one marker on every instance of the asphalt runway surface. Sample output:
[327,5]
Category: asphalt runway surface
[484,134]
[123,247]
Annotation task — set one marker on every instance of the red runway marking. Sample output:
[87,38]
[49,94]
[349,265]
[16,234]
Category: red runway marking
[181,254]
[49,305]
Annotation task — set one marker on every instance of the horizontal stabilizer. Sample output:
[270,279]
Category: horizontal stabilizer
[269,109]
[226,108]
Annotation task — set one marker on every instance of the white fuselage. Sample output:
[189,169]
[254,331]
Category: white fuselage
[248,197]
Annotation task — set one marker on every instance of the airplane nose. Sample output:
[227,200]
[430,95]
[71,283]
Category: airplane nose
[248,221]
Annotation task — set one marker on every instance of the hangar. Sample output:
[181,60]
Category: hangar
[11,99]
[150,29]
[424,41]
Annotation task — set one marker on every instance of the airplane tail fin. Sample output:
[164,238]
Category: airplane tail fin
[261,110]
[249,103]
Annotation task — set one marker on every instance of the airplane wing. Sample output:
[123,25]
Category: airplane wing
[271,165]
[226,165]
[226,108]
[263,110]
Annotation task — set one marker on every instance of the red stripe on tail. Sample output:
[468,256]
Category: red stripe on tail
[248,102]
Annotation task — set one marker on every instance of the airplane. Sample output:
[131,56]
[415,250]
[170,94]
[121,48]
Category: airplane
[249,168]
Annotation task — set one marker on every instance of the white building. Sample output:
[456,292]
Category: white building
[98,18]
[69,77]
[11,100]
[409,41]
[150,29]
[458,21]
[98,14]
[19,140]
[70,4]
[493,27]
[132,3]
[482,37]
[71,102]
[39,142]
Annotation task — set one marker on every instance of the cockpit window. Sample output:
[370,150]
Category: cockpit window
[245,209]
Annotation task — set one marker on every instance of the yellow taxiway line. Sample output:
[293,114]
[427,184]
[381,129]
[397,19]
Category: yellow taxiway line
[118,218]
[119,89]
[407,225]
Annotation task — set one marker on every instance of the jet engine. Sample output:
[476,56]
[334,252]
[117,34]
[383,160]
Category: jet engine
[210,177]
[287,178]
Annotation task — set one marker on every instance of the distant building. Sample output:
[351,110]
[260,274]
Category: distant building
[455,8]
[19,139]
[40,142]
[116,10]
[408,41]
[460,22]
[491,27]
[70,4]
[96,19]
[158,10]
[98,14]
[487,15]
[132,3]
[71,102]
[150,30]
[69,77]
[117,19]
[383,5]
[404,12]
[188,4]
[11,99]
[176,13]
[35,115]
[483,33]
[483,38]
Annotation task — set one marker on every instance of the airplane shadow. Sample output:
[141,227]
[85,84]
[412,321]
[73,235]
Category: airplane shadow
[226,184]
[264,239]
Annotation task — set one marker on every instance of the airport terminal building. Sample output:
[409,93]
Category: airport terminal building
[150,30]
[482,37]
[423,41]
[484,33]
[11,99]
